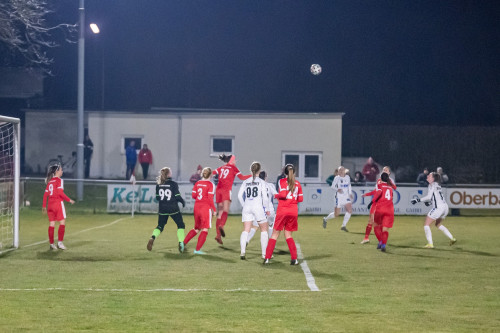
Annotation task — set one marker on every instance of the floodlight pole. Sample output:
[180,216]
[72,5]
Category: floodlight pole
[81,71]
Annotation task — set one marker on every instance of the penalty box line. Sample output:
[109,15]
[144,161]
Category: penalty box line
[114,290]
[79,232]
[311,283]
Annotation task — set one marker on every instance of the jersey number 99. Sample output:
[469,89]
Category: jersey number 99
[165,194]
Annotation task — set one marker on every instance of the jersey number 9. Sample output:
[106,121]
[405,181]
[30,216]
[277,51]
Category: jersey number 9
[165,194]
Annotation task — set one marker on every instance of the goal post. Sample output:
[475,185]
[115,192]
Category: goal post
[10,147]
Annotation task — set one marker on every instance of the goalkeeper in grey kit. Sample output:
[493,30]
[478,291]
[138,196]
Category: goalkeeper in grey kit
[168,196]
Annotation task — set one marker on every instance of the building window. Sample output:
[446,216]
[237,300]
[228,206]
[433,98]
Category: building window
[307,164]
[126,139]
[221,144]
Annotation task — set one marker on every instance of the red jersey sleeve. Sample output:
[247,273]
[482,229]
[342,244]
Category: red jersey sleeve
[243,177]
[211,196]
[367,194]
[377,196]
[45,196]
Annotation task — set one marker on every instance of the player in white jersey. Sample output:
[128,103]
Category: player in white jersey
[255,201]
[439,209]
[342,186]
[271,191]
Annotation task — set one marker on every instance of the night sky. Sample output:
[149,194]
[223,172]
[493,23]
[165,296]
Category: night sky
[384,62]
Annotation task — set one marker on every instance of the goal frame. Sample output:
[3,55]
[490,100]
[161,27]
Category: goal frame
[17,174]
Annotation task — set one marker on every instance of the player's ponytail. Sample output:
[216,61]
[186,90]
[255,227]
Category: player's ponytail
[255,169]
[163,175]
[206,173]
[51,171]
[290,172]
[385,178]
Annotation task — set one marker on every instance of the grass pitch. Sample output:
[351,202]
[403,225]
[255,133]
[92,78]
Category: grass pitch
[108,281]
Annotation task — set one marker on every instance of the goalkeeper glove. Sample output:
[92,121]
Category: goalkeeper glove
[369,205]
[414,201]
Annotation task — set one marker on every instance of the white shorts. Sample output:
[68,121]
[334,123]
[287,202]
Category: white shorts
[343,200]
[438,213]
[270,220]
[252,213]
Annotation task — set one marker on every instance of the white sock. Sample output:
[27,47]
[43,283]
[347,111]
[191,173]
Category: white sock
[330,216]
[428,234]
[264,238]
[251,234]
[243,241]
[347,216]
[445,231]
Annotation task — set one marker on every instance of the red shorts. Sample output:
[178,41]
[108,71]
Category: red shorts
[222,195]
[202,218]
[287,222]
[373,208]
[56,211]
[386,219]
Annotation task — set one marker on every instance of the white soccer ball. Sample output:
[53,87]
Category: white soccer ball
[315,69]
[27,203]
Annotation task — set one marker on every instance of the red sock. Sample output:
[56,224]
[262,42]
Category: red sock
[378,232]
[217,225]
[60,232]
[51,235]
[292,248]
[385,236]
[190,235]
[368,231]
[201,240]
[223,219]
[270,248]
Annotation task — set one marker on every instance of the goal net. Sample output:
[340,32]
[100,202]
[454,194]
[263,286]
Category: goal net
[9,183]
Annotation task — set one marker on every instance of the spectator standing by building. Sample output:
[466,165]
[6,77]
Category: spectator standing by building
[131,159]
[88,150]
[370,170]
[281,176]
[422,178]
[358,178]
[444,177]
[196,176]
[330,179]
[145,159]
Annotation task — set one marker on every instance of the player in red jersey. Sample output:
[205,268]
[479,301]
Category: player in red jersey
[226,174]
[384,213]
[289,195]
[204,208]
[54,192]
[369,226]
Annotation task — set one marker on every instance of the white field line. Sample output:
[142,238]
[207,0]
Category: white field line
[79,232]
[311,283]
[113,290]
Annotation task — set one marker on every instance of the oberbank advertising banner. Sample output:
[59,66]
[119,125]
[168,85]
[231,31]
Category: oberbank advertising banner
[318,199]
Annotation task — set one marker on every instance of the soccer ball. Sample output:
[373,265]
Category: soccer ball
[315,69]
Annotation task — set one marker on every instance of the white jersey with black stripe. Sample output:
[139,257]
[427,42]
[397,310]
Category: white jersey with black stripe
[435,196]
[253,192]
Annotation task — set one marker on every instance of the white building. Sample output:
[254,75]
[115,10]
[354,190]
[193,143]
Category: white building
[185,138]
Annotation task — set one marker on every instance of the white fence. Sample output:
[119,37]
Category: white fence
[318,199]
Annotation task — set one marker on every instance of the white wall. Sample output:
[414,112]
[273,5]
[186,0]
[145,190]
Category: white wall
[258,136]
[48,134]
